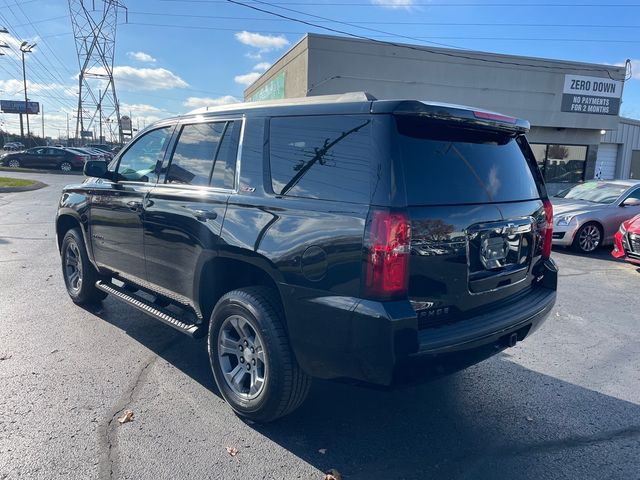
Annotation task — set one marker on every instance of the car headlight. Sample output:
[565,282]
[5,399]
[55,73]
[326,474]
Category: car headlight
[564,220]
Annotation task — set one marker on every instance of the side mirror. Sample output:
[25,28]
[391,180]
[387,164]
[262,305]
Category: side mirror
[96,168]
[631,202]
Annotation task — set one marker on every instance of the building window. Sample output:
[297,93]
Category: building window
[561,163]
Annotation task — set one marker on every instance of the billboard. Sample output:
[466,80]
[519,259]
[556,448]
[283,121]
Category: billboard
[272,90]
[17,106]
[592,95]
[125,123]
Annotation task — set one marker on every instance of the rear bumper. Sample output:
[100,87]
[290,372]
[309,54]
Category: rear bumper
[369,341]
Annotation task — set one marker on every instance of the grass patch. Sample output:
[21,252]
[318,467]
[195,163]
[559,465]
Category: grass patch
[15,182]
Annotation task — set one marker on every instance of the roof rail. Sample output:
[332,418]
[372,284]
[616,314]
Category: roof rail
[340,97]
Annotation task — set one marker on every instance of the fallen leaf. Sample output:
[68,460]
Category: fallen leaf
[332,474]
[233,451]
[529,419]
[5,357]
[323,451]
[55,350]
[126,417]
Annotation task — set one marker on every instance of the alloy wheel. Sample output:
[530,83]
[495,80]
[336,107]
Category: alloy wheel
[14,163]
[241,357]
[73,267]
[65,166]
[589,238]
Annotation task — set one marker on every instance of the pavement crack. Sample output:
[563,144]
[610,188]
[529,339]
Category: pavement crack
[107,438]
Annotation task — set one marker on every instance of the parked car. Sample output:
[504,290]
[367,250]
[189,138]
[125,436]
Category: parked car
[93,153]
[13,146]
[589,214]
[627,241]
[333,237]
[46,157]
[99,146]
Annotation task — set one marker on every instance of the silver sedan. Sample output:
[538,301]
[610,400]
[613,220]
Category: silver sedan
[589,214]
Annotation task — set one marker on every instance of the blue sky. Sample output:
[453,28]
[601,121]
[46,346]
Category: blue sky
[174,55]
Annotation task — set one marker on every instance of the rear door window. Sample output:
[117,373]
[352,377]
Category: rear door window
[205,154]
[446,165]
[325,157]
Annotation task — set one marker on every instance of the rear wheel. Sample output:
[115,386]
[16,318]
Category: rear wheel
[588,238]
[252,362]
[66,166]
[80,276]
[14,163]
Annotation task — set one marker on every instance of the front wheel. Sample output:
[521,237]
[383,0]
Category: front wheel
[13,163]
[252,362]
[80,276]
[588,238]
[66,166]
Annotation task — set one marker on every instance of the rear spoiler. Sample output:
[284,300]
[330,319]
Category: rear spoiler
[463,115]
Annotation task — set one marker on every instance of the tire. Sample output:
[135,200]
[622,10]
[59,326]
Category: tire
[588,238]
[13,163]
[257,312]
[80,276]
[66,166]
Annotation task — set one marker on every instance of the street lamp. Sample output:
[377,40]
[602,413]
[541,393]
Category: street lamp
[25,47]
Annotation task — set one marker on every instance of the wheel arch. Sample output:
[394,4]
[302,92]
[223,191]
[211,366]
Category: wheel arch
[221,275]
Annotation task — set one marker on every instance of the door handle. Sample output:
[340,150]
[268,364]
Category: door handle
[204,215]
[135,206]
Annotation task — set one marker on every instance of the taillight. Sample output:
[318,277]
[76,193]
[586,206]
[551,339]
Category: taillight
[387,250]
[548,228]
[494,116]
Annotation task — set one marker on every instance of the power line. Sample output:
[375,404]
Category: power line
[434,24]
[419,48]
[378,5]
[390,35]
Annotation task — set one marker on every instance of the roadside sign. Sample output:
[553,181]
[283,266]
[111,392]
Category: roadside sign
[17,106]
[591,95]
[125,123]
[86,133]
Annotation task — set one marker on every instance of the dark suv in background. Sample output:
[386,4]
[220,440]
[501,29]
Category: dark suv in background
[324,237]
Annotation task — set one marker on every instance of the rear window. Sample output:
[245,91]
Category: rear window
[445,165]
[325,157]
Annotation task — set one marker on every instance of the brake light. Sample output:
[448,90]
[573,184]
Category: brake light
[387,254]
[548,229]
[494,116]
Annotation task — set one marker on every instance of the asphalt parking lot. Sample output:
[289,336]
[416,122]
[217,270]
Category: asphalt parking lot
[563,404]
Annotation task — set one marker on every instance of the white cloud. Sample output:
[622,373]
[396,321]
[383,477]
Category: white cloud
[247,79]
[139,108]
[261,67]
[15,88]
[196,102]
[395,4]
[265,43]
[141,57]
[131,78]
[253,56]
[14,45]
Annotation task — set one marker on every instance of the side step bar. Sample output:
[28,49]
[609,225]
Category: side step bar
[159,313]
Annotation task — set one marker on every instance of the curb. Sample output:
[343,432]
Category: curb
[36,186]
[33,170]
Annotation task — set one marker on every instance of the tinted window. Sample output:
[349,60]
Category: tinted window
[193,157]
[224,170]
[446,165]
[141,157]
[323,157]
[561,163]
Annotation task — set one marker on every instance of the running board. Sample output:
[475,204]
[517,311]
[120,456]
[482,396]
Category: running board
[146,306]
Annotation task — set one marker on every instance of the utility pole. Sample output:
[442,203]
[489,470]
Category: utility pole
[100,113]
[42,118]
[26,48]
[67,129]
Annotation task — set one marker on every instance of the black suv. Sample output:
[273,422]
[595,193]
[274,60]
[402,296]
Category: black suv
[324,237]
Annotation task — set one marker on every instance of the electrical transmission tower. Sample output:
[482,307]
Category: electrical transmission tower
[95,34]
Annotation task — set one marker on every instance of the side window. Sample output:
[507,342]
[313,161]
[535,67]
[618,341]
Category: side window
[54,152]
[324,157]
[635,194]
[194,154]
[224,170]
[205,154]
[141,157]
